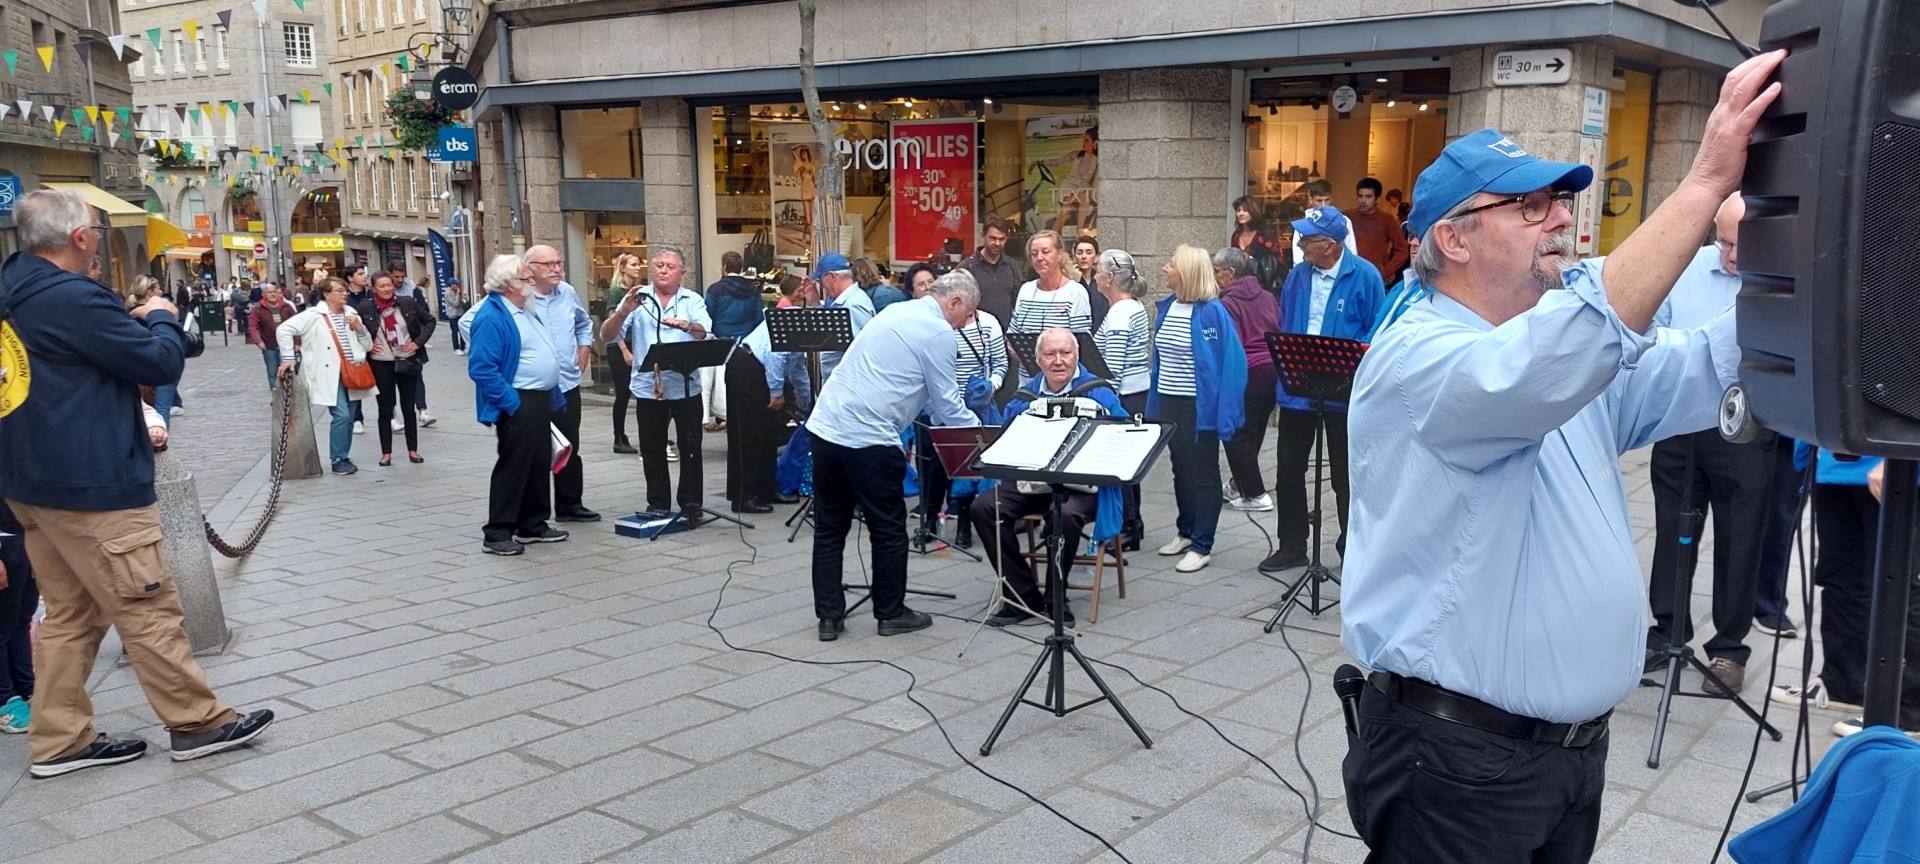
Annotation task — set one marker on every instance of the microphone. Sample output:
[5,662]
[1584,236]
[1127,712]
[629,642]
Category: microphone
[1348,684]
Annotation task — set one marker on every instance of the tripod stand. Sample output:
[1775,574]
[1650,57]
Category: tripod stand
[1321,369]
[967,442]
[687,358]
[809,330]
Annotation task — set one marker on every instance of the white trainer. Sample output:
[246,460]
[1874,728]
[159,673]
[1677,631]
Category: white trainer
[1254,505]
[1192,562]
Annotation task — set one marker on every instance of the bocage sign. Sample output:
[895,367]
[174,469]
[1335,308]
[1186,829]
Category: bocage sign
[455,89]
[457,144]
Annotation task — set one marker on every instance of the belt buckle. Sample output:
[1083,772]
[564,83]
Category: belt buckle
[1574,730]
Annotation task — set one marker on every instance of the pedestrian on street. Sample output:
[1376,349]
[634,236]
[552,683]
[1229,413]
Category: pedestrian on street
[359,284]
[327,338]
[1255,314]
[629,272]
[557,306]
[263,326]
[76,469]
[456,307]
[19,598]
[166,397]
[397,269]
[1199,384]
[515,367]
[401,327]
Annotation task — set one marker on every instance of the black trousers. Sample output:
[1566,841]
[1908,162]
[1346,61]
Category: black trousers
[934,483]
[1847,519]
[653,416]
[1734,483]
[1076,514]
[1422,790]
[518,499]
[570,484]
[1783,515]
[622,375]
[753,432]
[1195,461]
[407,386]
[1293,484]
[18,601]
[870,477]
[1243,449]
[1136,405]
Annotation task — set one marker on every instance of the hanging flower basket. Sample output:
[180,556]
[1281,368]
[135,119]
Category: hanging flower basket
[416,123]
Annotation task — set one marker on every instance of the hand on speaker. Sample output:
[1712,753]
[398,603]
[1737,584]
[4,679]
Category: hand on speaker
[1744,96]
[1877,479]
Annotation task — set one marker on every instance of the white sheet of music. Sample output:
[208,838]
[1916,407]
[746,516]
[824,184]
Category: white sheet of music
[1029,442]
[1113,450]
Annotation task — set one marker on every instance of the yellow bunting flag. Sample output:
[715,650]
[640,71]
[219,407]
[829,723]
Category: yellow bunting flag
[93,114]
[59,128]
[193,30]
[46,56]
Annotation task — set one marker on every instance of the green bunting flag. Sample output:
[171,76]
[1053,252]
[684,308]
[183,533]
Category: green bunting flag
[329,89]
[79,116]
[125,114]
[300,4]
[153,39]
[13,61]
[86,134]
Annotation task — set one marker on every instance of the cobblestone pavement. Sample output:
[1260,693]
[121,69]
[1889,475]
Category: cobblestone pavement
[573,704]
[224,427]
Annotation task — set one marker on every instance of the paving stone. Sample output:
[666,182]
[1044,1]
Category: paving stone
[763,687]
[577,838]
[626,731]
[434,838]
[359,664]
[290,798]
[828,742]
[120,811]
[444,751]
[367,641]
[143,841]
[903,828]
[459,715]
[397,805]
[582,788]
[288,840]
[845,787]
[1035,835]
[723,838]
[756,726]
[697,793]
[274,766]
[632,695]
[1226,823]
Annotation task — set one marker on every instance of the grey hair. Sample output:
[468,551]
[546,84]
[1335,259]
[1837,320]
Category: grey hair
[958,282]
[1119,264]
[48,218]
[668,249]
[1431,262]
[501,270]
[1233,259]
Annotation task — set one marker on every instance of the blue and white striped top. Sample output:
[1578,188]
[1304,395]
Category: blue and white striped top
[1173,348]
[980,349]
[1067,306]
[1123,342]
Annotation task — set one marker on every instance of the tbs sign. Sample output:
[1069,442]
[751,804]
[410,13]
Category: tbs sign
[454,89]
[457,144]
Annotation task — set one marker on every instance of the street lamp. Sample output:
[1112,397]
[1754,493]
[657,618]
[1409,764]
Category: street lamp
[422,83]
[458,10]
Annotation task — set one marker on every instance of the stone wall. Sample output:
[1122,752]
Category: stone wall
[1164,152]
[1543,119]
[538,139]
[666,146]
[1682,99]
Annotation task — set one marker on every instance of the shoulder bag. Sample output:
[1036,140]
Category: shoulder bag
[357,376]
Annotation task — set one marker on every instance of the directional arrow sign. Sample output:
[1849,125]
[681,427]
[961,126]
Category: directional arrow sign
[1537,66]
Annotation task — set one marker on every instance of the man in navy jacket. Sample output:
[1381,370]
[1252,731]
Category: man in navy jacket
[76,468]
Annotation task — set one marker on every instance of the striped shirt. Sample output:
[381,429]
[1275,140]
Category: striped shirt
[1067,306]
[1122,341]
[1174,346]
[980,349]
[342,332]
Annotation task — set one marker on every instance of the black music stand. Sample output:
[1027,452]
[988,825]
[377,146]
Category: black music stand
[687,358]
[1321,369]
[954,448]
[1026,355]
[809,330]
[1057,646]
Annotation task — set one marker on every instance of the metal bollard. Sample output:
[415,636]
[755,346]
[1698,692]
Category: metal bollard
[188,558]
[303,451]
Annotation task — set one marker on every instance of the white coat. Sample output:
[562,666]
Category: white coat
[319,358]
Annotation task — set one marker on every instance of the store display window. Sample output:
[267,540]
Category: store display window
[1623,182]
[595,242]
[601,144]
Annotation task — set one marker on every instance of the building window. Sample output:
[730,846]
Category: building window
[1623,189]
[373,183]
[363,16]
[601,143]
[595,240]
[367,115]
[232,123]
[137,67]
[379,13]
[200,51]
[420,9]
[299,38]
[220,47]
[413,186]
[353,178]
[344,17]
[393,186]
[433,188]
[305,122]
[159,58]
[179,52]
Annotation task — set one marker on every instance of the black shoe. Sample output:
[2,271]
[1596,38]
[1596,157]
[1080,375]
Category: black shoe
[344,466]
[1009,616]
[963,533]
[1656,660]
[905,622]
[624,447]
[784,498]
[504,547]
[549,535]
[188,746]
[580,515]
[1132,537]
[753,507]
[831,628]
[693,514]
[1285,559]
[1776,625]
[103,751]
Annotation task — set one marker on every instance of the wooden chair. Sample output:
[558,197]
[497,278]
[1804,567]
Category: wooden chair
[1037,559]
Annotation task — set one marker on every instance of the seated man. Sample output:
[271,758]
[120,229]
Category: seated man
[1060,377]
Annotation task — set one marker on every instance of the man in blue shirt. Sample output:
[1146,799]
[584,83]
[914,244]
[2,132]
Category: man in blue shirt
[1492,585]
[834,285]
[515,367]
[899,365]
[559,309]
[663,311]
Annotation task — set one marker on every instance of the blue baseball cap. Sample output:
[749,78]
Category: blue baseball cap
[1323,221]
[832,262]
[1486,161]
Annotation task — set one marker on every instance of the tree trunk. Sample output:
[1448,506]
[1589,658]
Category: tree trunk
[830,204]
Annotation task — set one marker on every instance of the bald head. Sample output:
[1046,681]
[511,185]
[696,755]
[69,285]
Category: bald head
[544,261]
[1059,357]
[1726,230]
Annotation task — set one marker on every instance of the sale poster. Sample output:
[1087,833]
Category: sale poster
[1062,172]
[935,175]
[795,174]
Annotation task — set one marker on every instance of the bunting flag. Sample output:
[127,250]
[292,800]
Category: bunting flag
[256,151]
[93,114]
[86,134]
[47,112]
[59,128]
[276,153]
[300,4]
[194,112]
[80,49]
[126,116]
[46,56]
[329,88]
[226,18]
[279,104]
[153,38]
[306,97]
[79,116]
[252,107]
[256,161]
[360,141]
[113,138]
[233,107]
[13,61]
[4,110]
[119,44]
[193,29]
[401,60]
[260,8]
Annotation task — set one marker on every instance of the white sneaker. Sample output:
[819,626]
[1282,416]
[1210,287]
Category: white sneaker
[176,411]
[1192,562]
[1852,725]
[460,351]
[359,428]
[1227,492]
[1815,695]
[1257,505]
[427,418]
[398,424]
[1176,546]
[673,452]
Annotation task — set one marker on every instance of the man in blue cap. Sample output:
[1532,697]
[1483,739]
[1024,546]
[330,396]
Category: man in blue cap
[1492,585]
[833,280]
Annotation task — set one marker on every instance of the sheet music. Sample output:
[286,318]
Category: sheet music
[1113,450]
[1029,442]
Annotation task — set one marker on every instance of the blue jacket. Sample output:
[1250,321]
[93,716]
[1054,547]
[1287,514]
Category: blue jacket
[1107,504]
[1353,309]
[78,441]
[493,356]
[1859,806]
[735,306]
[884,295]
[1219,365]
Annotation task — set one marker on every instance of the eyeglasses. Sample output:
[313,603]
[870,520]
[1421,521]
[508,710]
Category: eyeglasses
[103,229]
[555,263]
[1726,245]
[1533,205]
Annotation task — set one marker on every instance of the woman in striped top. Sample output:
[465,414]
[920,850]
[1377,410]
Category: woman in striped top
[1125,342]
[1051,299]
[1199,378]
[980,352]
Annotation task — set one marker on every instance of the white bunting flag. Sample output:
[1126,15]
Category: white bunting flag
[5,110]
[119,44]
[47,112]
[113,138]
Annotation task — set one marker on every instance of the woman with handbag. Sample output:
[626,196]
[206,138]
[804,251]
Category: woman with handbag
[629,272]
[331,343]
[401,327]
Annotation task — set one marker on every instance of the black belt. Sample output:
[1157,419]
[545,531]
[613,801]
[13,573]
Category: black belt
[1468,711]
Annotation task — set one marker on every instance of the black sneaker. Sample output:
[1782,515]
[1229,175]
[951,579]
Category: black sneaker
[548,535]
[504,547]
[906,622]
[831,628]
[344,466]
[103,751]
[242,729]
[1776,625]
[580,515]
[1285,559]
[1011,615]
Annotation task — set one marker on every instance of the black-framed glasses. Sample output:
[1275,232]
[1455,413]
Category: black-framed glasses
[1533,205]
[555,263]
[103,229]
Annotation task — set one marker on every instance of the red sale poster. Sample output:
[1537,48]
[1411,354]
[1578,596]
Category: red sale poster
[935,168]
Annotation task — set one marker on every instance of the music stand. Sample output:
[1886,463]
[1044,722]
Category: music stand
[1105,467]
[687,358]
[809,330]
[1026,355]
[1321,369]
[955,448]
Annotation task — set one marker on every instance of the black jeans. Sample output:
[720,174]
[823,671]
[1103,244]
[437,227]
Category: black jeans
[1848,521]
[622,375]
[1076,515]
[934,483]
[653,415]
[872,478]
[753,432]
[407,386]
[1290,506]
[570,483]
[17,604]
[518,496]
[1196,473]
[1422,790]
[1733,481]
[1243,449]
[1783,515]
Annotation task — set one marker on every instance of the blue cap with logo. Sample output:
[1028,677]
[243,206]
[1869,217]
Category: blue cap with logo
[832,262]
[1486,161]
[1322,221]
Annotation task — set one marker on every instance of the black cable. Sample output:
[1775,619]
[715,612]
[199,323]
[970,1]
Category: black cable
[912,681]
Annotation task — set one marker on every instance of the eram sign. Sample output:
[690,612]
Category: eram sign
[455,89]
[878,154]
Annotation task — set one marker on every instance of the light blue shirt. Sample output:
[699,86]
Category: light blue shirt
[778,364]
[643,329]
[1490,549]
[899,365]
[1705,290]
[860,308]
[539,360]
[1322,292]
[567,320]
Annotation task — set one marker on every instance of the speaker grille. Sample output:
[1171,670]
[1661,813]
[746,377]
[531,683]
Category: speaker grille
[1889,287]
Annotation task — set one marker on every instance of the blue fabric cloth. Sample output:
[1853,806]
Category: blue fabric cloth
[899,365]
[1490,550]
[340,427]
[1833,470]
[1403,295]
[1352,311]
[1703,291]
[1323,221]
[1109,501]
[1219,364]
[569,327]
[734,306]
[793,473]
[643,329]
[1859,805]
[884,295]
[493,360]
[782,367]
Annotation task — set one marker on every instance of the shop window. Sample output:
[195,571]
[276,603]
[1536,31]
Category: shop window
[595,241]
[1623,182]
[601,143]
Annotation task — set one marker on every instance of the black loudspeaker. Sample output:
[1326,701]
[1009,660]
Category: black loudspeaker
[1829,308]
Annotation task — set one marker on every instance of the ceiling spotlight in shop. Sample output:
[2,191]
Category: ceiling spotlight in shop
[1423,106]
[1380,80]
[1390,103]
[863,106]
[989,101]
[909,103]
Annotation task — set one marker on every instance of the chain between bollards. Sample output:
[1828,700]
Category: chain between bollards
[273,497]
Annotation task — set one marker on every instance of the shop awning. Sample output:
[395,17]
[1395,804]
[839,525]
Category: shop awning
[318,243]
[162,234]
[189,253]
[121,213]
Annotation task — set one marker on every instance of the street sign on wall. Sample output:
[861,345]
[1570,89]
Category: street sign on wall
[457,144]
[9,192]
[1535,66]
